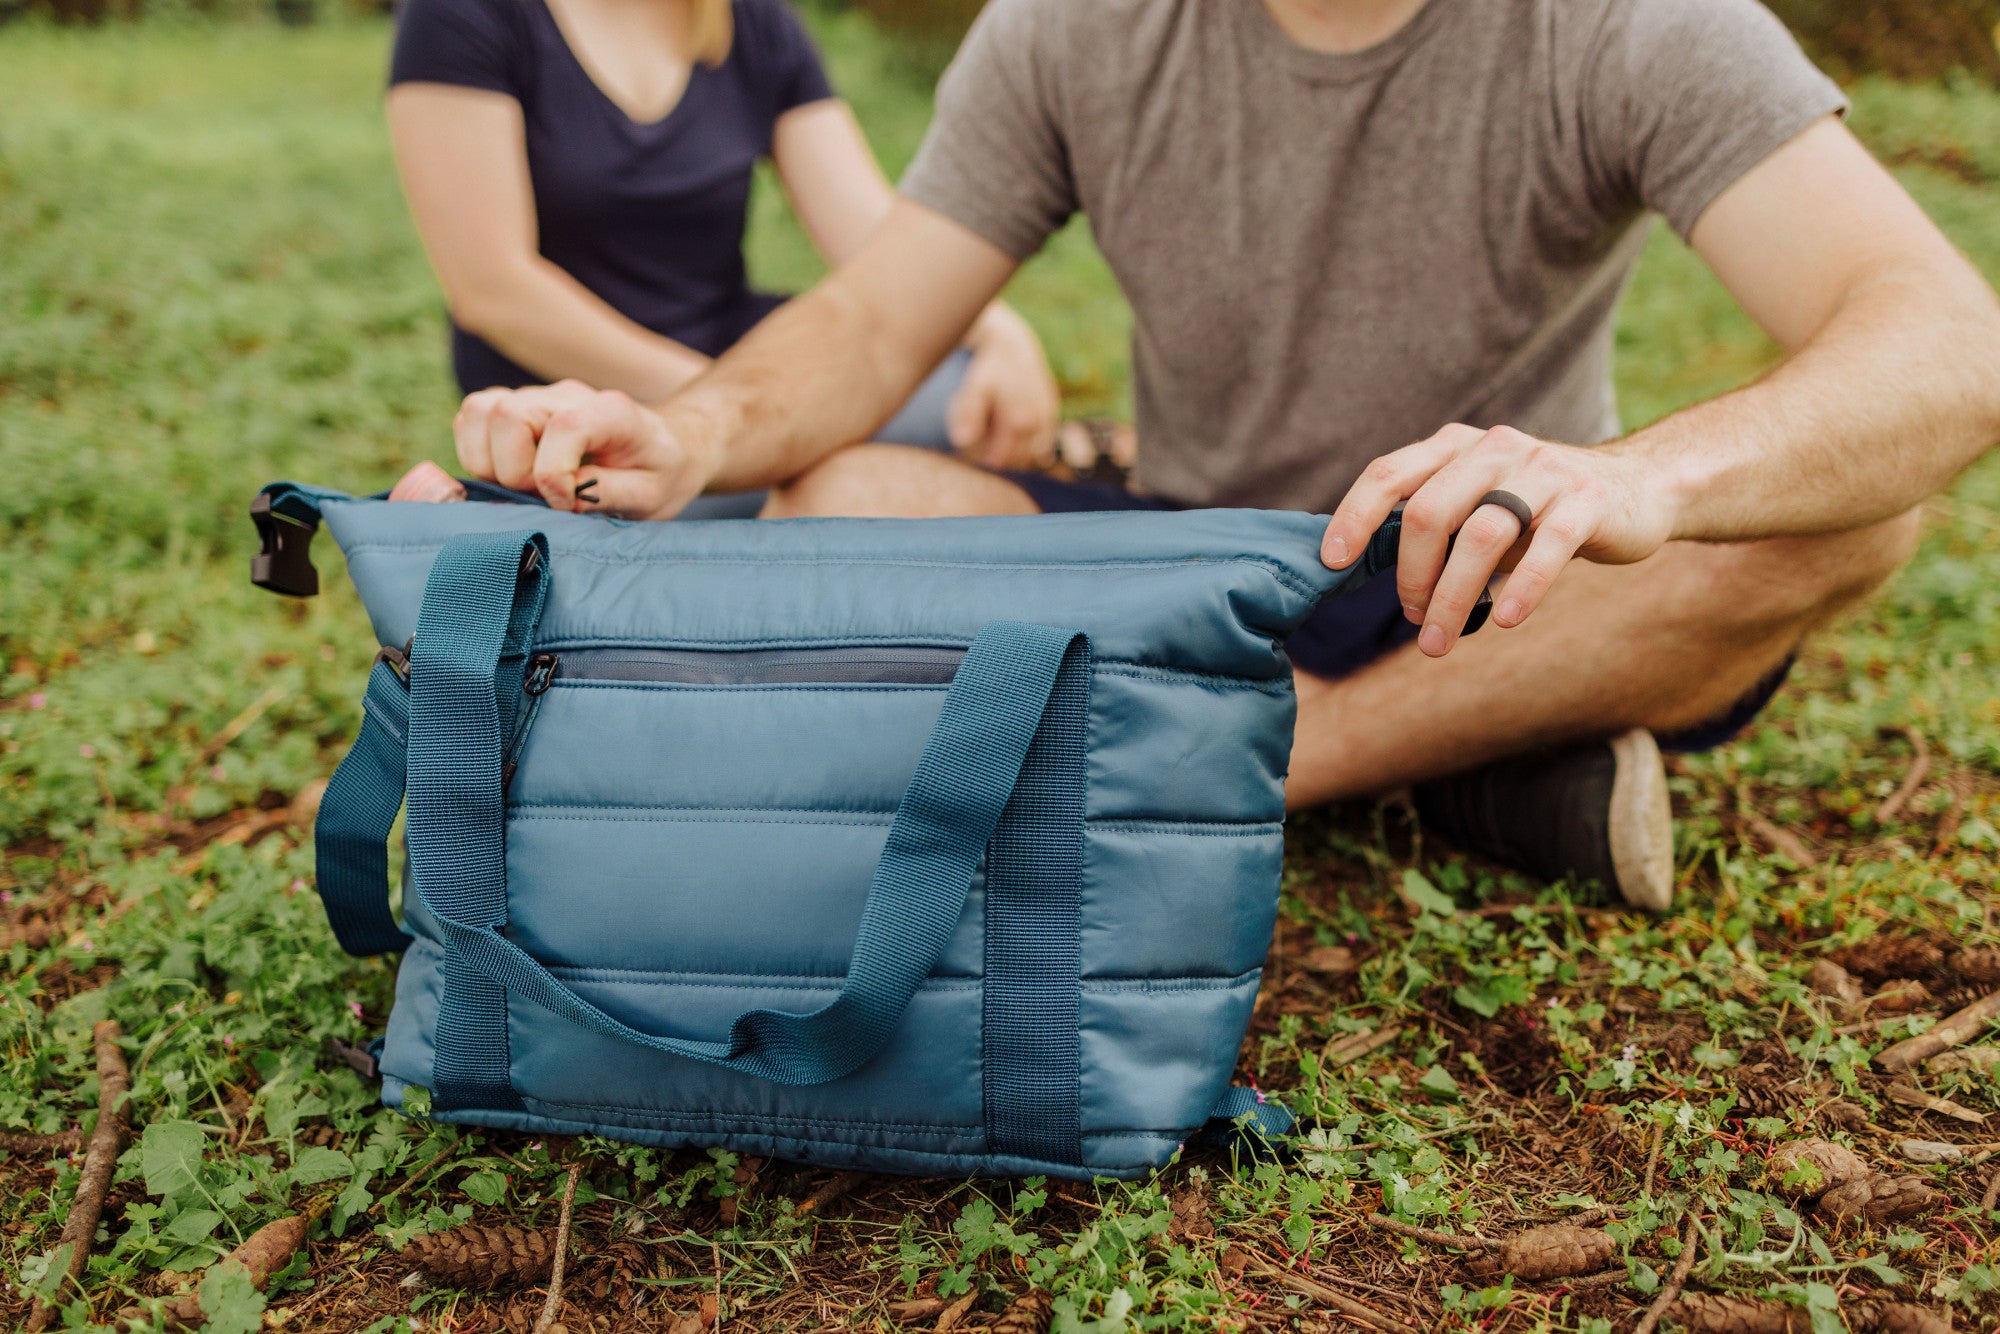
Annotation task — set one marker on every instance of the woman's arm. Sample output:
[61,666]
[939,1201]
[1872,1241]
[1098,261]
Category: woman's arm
[463,159]
[1005,413]
[831,176]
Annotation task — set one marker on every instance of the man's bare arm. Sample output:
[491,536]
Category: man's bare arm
[1892,388]
[822,372]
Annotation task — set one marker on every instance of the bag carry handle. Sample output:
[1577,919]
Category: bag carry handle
[456,706]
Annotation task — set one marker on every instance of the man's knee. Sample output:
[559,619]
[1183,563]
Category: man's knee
[846,482]
[1804,580]
[893,482]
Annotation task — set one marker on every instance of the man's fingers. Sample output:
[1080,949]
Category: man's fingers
[641,470]
[1445,517]
[1383,485]
[970,411]
[570,435]
[624,493]
[1450,501]
[468,432]
[1558,536]
[496,429]
[511,431]
[1482,541]
[1020,432]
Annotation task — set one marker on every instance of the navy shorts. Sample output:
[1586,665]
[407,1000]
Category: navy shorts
[1347,633]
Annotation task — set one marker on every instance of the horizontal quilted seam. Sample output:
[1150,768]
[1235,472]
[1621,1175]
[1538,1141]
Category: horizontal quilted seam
[1278,572]
[1171,826]
[908,1160]
[832,982]
[751,1121]
[759,687]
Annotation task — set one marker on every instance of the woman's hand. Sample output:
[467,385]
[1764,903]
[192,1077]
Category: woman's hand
[428,482]
[1004,415]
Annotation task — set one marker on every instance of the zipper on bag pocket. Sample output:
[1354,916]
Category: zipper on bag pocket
[754,667]
[535,679]
[720,667]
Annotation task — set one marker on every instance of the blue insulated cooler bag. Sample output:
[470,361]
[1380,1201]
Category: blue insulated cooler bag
[937,847]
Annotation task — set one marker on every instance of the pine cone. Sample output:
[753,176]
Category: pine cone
[1980,965]
[1809,1168]
[1028,1314]
[1880,959]
[1882,1199]
[616,1267]
[484,1257]
[1190,1214]
[1714,1313]
[1556,1250]
[1899,1318]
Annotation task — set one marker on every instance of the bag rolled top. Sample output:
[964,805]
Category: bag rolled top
[923,846]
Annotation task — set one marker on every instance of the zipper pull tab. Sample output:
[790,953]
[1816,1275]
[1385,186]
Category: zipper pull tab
[541,673]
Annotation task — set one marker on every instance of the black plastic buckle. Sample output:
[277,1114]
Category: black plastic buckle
[397,658]
[283,563]
[362,1061]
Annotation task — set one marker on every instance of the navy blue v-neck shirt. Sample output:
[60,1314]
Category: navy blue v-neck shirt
[650,217]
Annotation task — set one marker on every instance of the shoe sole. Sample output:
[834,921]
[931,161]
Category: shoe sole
[1641,822]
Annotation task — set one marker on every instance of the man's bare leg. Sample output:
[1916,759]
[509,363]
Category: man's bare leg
[1665,644]
[894,482]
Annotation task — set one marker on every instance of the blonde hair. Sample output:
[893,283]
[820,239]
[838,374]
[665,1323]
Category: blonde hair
[710,30]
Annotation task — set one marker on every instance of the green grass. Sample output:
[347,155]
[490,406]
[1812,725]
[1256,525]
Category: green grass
[207,281]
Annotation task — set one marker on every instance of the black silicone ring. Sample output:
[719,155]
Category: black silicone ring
[1513,504]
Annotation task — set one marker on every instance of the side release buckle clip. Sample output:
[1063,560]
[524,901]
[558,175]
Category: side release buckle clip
[283,563]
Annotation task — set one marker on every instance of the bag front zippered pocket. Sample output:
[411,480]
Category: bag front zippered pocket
[669,667]
[755,667]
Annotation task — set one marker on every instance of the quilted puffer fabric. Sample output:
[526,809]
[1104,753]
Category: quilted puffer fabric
[703,795]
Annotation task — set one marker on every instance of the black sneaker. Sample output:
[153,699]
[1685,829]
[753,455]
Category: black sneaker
[1593,811]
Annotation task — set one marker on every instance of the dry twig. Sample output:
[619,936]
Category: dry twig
[1683,1266]
[1946,1033]
[1920,767]
[553,1303]
[842,1183]
[100,1160]
[1653,1161]
[1471,1241]
[1782,841]
[29,1141]
[1356,1045]
[266,1251]
[237,726]
[949,1318]
[1320,1292]
[1911,1096]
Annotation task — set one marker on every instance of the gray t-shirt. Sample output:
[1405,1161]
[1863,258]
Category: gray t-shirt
[1331,256]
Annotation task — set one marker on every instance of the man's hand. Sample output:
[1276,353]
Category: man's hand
[1004,415]
[564,439]
[1598,503]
